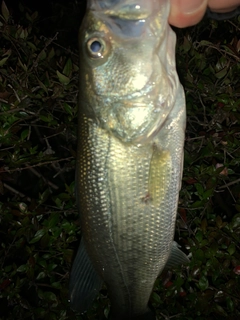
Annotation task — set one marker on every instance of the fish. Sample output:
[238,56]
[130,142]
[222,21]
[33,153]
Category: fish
[131,128]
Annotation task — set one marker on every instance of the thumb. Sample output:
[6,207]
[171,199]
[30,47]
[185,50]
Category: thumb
[185,13]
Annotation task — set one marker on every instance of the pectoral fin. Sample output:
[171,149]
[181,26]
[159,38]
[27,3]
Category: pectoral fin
[159,175]
[84,281]
[176,258]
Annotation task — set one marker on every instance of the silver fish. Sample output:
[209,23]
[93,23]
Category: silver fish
[130,154]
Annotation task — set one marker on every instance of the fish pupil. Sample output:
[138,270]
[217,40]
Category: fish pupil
[96,46]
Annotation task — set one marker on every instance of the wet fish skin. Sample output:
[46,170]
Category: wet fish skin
[130,153]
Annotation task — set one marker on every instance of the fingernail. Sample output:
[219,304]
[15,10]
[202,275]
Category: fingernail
[191,6]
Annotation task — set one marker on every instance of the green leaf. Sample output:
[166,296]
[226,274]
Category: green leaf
[45,240]
[179,282]
[45,195]
[68,255]
[62,78]
[230,304]
[59,203]
[41,312]
[199,236]
[22,268]
[43,86]
[5,11]
[24,67]
[205,43]
[219,221]
[197,204]
[42,262]
[54,219]
[213,248]
[51,266]
[42,55]
[2,62]
[56,285]
[203,283]
[199,255]
[207,194]
[24,134]
[236,221]
[221,73]
[28,17]
[41,275]
[199,188]
[70,189]
[34,15]
[44,118]
[155,298]
[71,239]
[231,249]
[46,256]
[38,235]
[204,225]
[51,54]
[67,70]
[49,296]
[68,108]
[23,34]
[186,46]
[32,46]
[220,310]
[8,268]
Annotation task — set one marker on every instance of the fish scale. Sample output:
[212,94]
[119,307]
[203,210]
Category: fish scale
[130,157]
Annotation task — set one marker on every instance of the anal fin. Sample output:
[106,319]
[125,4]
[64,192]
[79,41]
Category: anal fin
[84,281]
[176,257]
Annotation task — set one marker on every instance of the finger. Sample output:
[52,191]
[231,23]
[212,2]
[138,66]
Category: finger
[184,13]
[223,5]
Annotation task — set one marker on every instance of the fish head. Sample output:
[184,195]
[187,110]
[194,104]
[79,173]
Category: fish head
[127,67]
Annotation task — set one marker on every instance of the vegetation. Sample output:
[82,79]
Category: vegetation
[39,221]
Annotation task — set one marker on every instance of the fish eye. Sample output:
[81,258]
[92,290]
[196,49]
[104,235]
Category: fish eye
[96,47]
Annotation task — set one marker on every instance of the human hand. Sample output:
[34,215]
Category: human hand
[185,13]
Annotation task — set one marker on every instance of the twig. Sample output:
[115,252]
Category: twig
[58,45]
[219,50]
[216,289]
[204,111]
[231,194]
[39,175]
[48,42]
[20,194]
[233,24]
[53,135]
[16,110]
[4,101]
[229,184]
[196,138]
[170,317]
[39,164]
[15,92]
